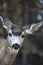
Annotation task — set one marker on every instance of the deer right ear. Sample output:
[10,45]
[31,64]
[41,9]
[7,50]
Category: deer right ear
[2,22]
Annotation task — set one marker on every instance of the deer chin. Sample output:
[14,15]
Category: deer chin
[12,50]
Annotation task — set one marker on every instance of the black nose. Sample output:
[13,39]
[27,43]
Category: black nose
[15,46]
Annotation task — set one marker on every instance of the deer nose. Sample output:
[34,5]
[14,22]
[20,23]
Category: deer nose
[15,46]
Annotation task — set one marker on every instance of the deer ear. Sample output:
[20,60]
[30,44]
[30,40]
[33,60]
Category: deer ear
[33,28]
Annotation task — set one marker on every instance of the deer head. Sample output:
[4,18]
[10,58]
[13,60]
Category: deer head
[16,33]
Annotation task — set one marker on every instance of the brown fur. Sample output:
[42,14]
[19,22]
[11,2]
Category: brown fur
[3,32]
[6,57]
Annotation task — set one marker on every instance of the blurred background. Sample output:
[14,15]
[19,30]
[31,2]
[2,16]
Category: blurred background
[25,12]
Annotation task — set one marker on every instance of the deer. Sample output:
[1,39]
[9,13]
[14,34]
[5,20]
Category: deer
[13,36]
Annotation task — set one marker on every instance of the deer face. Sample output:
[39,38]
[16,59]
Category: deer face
[15,38]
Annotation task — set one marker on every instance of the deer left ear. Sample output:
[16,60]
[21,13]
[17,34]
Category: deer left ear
[33,28]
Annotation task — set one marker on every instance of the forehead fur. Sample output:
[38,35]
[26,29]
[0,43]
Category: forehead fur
[16,29]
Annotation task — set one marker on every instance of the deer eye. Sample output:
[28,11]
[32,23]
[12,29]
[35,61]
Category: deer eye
[23,36]
[10,34]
